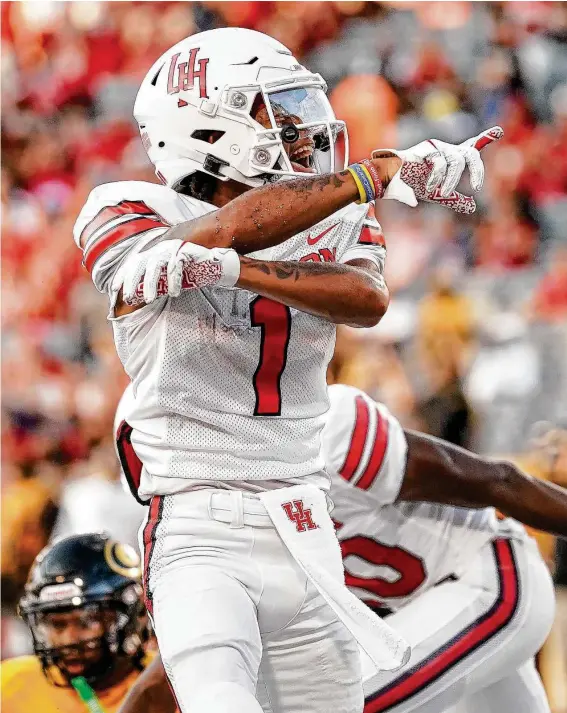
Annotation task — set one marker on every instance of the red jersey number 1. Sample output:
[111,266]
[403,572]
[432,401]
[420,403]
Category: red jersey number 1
[274,319]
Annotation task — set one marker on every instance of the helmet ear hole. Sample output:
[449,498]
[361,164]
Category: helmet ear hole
[198,185]
[210,136]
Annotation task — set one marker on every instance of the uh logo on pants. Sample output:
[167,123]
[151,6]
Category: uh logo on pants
[299,515]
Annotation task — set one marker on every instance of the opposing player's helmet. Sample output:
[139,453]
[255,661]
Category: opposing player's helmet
[83,605]
[229,102]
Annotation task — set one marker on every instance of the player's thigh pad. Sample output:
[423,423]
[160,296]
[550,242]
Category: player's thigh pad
[202,590]
[209,640]
[467,634]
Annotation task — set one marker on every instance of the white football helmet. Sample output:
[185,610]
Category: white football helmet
[197,110]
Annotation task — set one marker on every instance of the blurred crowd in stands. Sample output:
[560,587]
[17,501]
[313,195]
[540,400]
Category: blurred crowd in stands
[474,345]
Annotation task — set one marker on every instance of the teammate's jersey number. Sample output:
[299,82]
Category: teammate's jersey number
[410,567]
[274,320]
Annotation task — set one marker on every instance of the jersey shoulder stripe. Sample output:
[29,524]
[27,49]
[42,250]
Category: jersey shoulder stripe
[371,232]
[370,242]
[364,446]
[107,229]
[358,445]
[379,446]
[357,439]
[110,212]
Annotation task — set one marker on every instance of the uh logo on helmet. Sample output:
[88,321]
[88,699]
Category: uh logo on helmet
[182,75]
[231,102]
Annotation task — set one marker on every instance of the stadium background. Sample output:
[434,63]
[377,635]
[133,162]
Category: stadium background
[474,345]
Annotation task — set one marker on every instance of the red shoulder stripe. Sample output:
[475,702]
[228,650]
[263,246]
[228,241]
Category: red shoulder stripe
[378,452]
[128,229]
[111,212]
[371,235]
[357,440]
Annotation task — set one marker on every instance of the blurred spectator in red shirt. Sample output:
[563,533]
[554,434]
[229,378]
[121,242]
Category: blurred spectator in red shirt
[505,242]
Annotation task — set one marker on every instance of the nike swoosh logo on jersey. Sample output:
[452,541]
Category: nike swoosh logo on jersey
[312,241]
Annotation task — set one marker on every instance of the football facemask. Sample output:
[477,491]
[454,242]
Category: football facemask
[300,123]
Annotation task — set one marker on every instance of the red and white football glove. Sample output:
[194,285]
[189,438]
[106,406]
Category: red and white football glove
[173,266]
[432,170]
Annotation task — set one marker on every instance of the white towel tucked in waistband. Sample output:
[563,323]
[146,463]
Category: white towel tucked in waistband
[300,516]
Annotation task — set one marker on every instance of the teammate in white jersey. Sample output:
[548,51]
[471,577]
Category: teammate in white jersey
[227,355]
[468,589]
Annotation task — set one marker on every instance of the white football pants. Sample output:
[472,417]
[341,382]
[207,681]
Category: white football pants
[473,640]
[240,627]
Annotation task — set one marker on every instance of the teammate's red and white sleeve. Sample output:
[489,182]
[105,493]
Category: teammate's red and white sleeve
[121,218]
[370,243]
[364,444]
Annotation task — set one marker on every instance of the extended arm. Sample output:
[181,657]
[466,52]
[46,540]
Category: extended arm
[269,215]
[440,472]
[150,693]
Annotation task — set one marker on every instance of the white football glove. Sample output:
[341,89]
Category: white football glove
[432,170]
[172,266]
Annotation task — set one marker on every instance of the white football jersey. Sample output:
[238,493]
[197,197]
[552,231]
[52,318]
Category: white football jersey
[227,385]
[392,551]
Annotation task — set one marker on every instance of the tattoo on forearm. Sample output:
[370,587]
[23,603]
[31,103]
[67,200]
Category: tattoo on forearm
[273,199]
[319,182]
[282,273]
[294,270]
[259,265]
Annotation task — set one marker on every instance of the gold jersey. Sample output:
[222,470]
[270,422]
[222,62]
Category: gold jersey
[25,689]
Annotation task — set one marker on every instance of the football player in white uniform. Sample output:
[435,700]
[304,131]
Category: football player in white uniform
[467,588]
[227,355]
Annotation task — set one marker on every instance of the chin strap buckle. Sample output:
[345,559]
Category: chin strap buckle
[212,164]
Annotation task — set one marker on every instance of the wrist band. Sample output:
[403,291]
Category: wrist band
[363,181]
[375,177]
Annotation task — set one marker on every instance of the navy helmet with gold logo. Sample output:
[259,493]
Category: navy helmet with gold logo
[84,607]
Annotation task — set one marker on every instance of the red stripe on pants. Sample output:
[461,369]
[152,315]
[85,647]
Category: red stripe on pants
[464,643]
[149,541]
